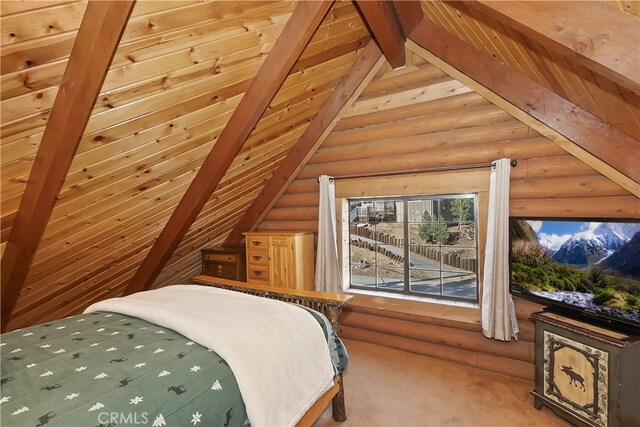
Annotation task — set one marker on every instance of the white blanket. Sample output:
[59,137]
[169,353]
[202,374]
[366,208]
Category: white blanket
[277,351]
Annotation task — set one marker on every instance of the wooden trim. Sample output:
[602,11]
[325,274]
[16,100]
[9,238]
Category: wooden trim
[460,181]
[306,18]
[588,138]
[324,122]
[385,27]
[98,37]
[598,36]
[448,315]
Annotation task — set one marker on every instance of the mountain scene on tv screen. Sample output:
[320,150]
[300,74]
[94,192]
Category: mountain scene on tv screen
[594,265]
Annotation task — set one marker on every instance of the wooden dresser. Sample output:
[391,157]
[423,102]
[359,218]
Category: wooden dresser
[227,262]
[280,258]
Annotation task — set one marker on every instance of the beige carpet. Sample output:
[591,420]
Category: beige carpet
[386,387]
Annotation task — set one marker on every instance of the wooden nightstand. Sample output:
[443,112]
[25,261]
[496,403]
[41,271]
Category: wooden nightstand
[227,262]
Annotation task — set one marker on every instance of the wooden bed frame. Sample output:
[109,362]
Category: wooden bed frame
[328,304]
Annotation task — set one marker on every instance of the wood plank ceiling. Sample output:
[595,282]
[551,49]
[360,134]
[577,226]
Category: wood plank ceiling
[179,73]
[587,89]
[97,40]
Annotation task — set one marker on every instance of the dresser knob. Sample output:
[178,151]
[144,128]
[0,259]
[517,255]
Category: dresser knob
[256,242]
[257,258]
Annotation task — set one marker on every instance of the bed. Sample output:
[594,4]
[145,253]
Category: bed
[180,355]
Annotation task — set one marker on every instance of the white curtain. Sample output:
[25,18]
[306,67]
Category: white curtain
[327,277]
[498,312]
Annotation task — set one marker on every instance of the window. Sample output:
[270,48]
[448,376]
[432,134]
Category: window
[420,245]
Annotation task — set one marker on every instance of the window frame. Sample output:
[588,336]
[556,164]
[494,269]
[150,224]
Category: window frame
[406,290]
[430,183]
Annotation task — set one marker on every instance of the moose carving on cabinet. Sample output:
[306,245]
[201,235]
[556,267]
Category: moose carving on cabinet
[575,376]
[585,373]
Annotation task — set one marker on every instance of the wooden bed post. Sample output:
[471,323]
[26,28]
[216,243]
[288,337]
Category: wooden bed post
[337,403]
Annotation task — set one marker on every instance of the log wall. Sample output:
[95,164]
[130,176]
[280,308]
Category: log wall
[416,118]
[444,333]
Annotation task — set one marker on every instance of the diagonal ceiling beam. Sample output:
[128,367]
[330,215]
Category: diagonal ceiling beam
[98,37]
[410,14]
[348,90]
[385,26]
[295,36]
[594,34]
[605,148]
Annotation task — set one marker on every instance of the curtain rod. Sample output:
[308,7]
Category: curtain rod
[514,163]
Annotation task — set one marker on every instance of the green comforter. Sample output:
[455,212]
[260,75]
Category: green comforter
[106,369]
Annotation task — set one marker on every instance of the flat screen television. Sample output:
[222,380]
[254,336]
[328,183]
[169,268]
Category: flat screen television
[586,267]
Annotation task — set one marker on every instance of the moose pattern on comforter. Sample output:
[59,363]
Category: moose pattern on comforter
[106,369]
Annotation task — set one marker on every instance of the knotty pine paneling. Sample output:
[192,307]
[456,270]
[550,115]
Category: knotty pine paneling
[178,74]
[309,85]
[185,85]
[629,6]
[585,88]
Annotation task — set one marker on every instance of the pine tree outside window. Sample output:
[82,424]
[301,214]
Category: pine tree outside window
[418,245]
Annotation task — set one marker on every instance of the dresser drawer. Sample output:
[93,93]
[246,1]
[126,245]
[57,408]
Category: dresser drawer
[220,257]
[257,242]
[257,274]
[227,262]
[221,269]
[258,257]
[280,241]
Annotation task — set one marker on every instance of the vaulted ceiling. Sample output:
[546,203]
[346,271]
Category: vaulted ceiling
[192,83]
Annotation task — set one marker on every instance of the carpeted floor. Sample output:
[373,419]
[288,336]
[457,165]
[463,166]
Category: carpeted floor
[386,387]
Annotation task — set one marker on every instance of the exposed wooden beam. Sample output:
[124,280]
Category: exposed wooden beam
[594,34]
[347,91]
[98,37]
[306,18]
[385,26]
[606,149]
[410,14]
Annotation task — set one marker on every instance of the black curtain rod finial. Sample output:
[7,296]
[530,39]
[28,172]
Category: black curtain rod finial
[513,164]
[330,179]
